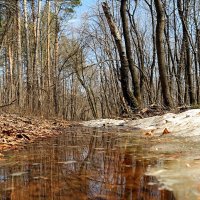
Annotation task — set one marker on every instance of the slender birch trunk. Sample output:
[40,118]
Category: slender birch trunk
[36,85]
[55,84]
[48,100]
[27,59]
[19,57]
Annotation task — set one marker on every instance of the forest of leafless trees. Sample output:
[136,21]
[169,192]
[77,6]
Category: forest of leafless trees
[125,55]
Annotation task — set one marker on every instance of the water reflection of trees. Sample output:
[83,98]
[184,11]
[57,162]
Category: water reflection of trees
[81,164]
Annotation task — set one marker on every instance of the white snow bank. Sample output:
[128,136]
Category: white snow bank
[104,122]
[183,124]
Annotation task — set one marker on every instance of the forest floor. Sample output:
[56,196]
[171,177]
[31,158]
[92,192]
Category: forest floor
[16,131]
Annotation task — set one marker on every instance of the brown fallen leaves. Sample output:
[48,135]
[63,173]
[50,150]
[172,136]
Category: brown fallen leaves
[150,133]
[16,131]
[165,131]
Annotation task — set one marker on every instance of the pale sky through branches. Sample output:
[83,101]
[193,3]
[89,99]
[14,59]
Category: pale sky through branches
[86,6]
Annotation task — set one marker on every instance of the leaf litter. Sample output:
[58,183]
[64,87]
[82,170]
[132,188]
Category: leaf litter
[16,131]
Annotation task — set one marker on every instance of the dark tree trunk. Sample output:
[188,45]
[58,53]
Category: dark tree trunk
[131,63]
[188,64]
[124,70]
[161,54]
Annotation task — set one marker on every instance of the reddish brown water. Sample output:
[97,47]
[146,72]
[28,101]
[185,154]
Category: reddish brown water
[81,164]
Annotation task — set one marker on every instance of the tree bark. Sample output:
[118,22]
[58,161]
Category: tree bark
[55,82]
[10,72]
[19,57]
[47,70]
[188,64]
[36,92]
[28,63]
[129,52]
[124,70]
[167,100]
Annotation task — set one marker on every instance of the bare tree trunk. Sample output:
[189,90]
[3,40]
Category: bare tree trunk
[124,70]
[198,60]
[152,70]
[55,82]
[28,63]
[10,72]
[178,60]
[89,95]
[161,54]
[19,57]
[36,93]
[6,79]
[129,52]
[47,70]
[188,65]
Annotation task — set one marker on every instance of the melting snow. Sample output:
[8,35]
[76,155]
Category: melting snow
[182,124]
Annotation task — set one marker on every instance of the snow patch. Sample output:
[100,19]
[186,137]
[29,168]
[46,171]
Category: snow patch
[104,122]
[182,124]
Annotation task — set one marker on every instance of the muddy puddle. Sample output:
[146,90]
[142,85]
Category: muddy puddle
[99,164]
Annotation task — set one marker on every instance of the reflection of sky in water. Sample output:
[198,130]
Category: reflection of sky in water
[3,178]
[3,175]
[94,187]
